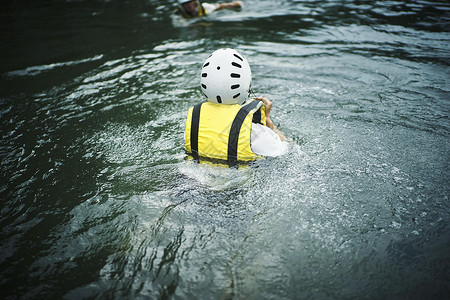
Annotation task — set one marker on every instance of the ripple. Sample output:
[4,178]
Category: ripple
[38,70]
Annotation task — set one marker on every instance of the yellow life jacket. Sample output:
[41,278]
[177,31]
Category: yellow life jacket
[221,131]
[201,10]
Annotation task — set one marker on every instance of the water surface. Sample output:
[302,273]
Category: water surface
[98,200]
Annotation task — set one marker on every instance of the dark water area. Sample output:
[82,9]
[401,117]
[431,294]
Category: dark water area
[98,200]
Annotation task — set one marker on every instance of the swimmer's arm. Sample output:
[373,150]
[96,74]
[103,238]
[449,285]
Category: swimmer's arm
[269,123]
[235,4]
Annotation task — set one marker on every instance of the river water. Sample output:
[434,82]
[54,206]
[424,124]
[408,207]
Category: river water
[98,200]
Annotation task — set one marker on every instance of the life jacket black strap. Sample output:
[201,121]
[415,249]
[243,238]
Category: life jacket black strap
[194,129]
[233,138]
[257,117]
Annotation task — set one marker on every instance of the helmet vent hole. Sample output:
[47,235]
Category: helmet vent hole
[204,74]
[240,58]
[234,86]
[234,75]
[204,86]
[205,65]
[236,65]
[218,68]
[219,99]
[237,95]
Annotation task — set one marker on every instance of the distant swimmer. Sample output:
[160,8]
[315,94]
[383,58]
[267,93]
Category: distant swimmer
[228,126]
[195,8]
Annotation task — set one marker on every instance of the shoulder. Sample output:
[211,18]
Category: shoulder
[266,142]
[260,131]
[208,7]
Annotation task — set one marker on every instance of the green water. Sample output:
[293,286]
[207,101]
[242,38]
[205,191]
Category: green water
[98,200]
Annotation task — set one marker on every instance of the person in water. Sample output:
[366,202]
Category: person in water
[193,8]
[228,126]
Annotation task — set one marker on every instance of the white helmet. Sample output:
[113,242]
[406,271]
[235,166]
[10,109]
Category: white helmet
[183,1]
[226,77]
